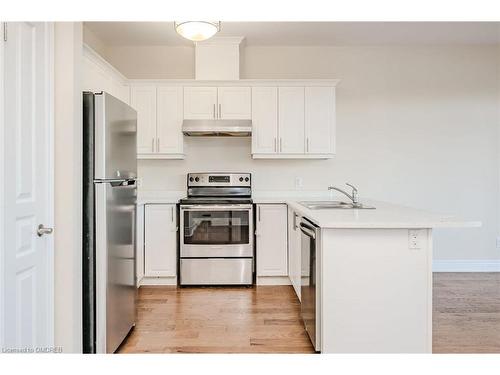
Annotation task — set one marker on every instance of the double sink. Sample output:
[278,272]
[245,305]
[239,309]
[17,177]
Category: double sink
[327,205]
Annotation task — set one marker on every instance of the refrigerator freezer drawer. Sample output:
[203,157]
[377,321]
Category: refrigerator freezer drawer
[236,271]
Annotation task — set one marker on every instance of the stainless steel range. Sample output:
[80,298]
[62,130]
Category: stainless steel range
[216,230]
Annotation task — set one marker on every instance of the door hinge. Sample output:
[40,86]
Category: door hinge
[5,31]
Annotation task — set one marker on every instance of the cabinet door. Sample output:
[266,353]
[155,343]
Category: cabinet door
[169,121]
[264,120]
[294,251]
[291,120]
[143,100]
[319,119]
[200,103]
[234,103]
[160,240]
[272,249]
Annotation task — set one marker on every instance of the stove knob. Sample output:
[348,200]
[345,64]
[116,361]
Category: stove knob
[247,179]
[241,179]
[191,179]
[197,179]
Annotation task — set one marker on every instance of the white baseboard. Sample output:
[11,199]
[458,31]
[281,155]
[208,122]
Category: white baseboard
[273,280]
[488,265]
[158,281]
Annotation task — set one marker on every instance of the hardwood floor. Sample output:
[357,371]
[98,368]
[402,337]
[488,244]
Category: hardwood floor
[266,319]
[466,313]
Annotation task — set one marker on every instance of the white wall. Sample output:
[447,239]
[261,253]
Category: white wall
[152,61]
[416,125]
[68,186]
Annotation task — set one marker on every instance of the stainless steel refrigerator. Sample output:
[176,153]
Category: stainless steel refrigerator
[109,217]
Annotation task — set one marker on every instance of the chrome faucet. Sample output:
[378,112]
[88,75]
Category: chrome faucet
[353,197]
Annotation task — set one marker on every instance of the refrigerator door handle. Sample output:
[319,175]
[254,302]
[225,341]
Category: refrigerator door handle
[117,181]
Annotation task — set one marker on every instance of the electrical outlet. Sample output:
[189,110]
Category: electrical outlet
[298,183]
[415,238]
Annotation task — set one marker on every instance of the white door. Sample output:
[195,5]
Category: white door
[272,248]
[160,244]
[27,267]
[169,120]
[143,100]
[291,120]
[235,103]
[200,103]
[319,119]
[264,120]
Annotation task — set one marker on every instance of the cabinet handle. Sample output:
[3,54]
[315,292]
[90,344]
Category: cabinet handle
[307,144]
[275,144]
[214,110]
[158,144]
[220,110]
[281,146]
[153,144]
[258,211]
[172,208]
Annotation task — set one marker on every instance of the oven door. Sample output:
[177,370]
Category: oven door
[216,231]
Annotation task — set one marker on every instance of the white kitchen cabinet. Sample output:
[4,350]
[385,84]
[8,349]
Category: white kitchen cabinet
[143,100]
[159,121]
[169,104]
[225,103]
[160,240]
[272,248]
[294,250]
[264,120]
[291,120]
[200,103]
[234,103]
[320,120]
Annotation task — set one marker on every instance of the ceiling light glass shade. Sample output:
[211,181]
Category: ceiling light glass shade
[197,30]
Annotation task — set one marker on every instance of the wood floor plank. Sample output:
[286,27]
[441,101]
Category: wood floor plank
[266,319]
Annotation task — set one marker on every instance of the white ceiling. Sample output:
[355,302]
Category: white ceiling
[308,33]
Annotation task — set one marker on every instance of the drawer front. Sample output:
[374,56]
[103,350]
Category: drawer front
[216,271]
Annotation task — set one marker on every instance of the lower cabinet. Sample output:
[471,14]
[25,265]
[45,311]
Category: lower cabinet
[271,240]
[160,240]
[294,250]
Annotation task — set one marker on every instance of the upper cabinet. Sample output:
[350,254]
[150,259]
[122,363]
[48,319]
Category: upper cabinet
[200,103]
[159,121]
[210,103]
[264,120]
[320,120]
[235,103]
[169,104]
[143,100]
[293,122]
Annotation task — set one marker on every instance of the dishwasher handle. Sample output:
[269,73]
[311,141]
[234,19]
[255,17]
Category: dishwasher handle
[308,230]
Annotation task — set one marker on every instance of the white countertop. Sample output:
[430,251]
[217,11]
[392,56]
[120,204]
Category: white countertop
[385,215]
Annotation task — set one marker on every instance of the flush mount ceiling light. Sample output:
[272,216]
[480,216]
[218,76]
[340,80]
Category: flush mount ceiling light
[197,30]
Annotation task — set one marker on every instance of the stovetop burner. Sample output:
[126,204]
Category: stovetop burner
[218,188]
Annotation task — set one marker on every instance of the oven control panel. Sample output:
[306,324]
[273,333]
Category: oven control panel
[219,179]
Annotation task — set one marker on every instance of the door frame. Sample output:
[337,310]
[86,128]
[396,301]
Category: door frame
[49,103]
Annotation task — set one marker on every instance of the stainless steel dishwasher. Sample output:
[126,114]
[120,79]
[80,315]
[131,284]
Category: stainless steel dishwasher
[309,280]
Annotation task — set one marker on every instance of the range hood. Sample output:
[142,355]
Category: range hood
[217,128]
